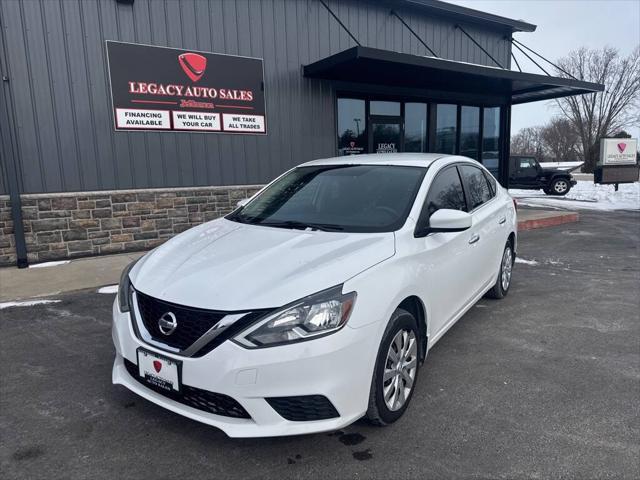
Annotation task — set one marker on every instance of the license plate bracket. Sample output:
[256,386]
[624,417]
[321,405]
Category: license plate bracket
[160,372]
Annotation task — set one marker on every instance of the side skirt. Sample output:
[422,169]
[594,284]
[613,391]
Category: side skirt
[452,322]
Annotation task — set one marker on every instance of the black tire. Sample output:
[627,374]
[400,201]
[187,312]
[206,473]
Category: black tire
[379,413]
[560,186]
[498,290]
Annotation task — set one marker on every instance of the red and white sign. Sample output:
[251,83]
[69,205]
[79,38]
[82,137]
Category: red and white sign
[243,123]
[205,121]
[618,151]
[160,88]
[135,118]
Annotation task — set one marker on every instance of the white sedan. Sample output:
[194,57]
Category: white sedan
[314,303]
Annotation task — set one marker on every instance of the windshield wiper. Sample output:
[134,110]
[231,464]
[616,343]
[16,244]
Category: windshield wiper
[325,227]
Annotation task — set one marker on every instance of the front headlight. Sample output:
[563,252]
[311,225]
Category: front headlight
[311,317]
[124,288]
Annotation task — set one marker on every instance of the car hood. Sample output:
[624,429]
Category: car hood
[224,265]
[554,171]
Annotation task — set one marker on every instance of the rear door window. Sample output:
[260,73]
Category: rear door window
[476,186]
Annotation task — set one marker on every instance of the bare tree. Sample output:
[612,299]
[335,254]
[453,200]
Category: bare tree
[527,141]
[560,140]
[601,114]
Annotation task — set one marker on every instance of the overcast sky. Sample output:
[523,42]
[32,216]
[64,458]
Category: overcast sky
[564,25]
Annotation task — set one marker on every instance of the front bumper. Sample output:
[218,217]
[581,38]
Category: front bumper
[338,366]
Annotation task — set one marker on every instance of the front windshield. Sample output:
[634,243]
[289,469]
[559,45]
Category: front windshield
[350,198]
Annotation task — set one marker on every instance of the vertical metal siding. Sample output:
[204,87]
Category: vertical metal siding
[56,61]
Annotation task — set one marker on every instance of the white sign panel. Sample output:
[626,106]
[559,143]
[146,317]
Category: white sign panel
[243,123]
[618,151]
[183,120]
[132,118]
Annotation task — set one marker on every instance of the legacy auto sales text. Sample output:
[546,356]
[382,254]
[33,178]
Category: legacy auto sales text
[189,91]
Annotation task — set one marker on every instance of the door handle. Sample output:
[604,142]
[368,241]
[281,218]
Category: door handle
[474,238]
[502,221]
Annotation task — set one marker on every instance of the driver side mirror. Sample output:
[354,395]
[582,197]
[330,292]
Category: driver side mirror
[445,220]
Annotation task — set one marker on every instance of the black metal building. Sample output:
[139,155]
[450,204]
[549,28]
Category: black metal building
[339,77]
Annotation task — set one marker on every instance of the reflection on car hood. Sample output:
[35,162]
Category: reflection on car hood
[224,265]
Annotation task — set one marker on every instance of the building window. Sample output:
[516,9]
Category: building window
[470,131]
[491,139]
[415,127]
[352,121]
[384,108]
[446,129]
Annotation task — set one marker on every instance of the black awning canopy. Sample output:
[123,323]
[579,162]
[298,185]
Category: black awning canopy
[384,67]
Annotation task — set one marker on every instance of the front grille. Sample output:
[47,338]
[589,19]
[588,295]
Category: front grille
[192,322]
[209,402]
[304,408]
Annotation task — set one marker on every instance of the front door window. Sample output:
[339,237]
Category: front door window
[385,136]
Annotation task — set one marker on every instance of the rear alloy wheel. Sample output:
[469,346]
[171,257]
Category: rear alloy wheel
[396,370]
[503,282]
[560,186]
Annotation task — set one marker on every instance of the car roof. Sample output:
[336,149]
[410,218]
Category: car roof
[399,159]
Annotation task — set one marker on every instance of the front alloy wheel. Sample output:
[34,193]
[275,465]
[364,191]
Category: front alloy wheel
[396,369]
[400,369]
[560,187]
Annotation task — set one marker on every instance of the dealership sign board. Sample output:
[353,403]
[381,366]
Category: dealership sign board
[618,151]
[166,89]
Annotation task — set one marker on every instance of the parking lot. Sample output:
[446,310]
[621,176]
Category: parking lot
[544,383]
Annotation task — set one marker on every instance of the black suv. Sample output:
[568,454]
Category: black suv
[525,172]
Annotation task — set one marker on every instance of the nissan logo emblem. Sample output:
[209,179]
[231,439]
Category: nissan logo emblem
[167,323]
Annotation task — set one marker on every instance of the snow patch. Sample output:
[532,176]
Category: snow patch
[108,289]
[50,264]
[561,165]
[27,303]
[525,261]
[585,195]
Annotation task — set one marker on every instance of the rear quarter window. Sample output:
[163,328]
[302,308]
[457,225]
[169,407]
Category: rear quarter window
[476,186]
[492,183]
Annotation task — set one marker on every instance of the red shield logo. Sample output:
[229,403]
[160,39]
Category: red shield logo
[193,65]
[621,147]
[157,365]
[352,144]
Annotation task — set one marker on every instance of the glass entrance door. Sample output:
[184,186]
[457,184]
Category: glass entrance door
[385,134]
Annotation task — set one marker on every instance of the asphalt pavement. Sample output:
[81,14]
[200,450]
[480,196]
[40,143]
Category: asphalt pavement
[542,384]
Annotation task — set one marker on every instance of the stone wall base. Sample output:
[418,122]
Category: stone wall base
[70,225]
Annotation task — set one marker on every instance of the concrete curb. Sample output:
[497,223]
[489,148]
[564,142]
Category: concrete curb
[549,221]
